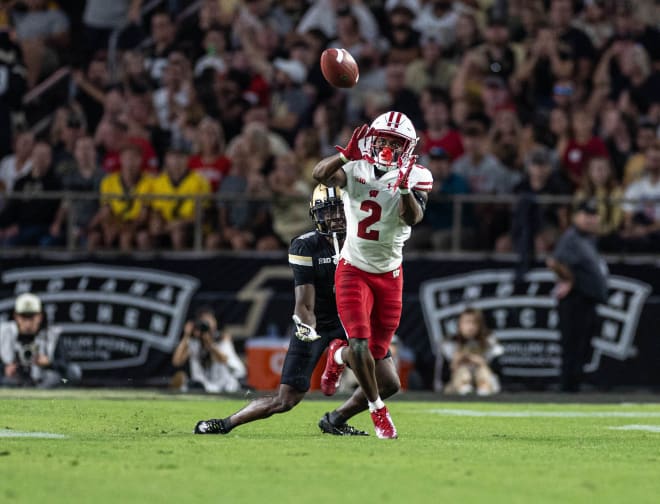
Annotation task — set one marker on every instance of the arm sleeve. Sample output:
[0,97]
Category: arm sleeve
[564,251]
[302,262]
[423,179]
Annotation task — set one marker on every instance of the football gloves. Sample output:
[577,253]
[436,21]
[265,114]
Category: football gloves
[404,175]
[352,151]
[304,332]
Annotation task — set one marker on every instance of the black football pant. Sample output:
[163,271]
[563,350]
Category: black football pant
[577,324]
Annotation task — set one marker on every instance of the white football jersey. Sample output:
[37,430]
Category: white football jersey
[375,232]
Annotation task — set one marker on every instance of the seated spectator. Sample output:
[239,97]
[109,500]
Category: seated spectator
[243,219]
[616,131]
[289,191]
[600,185]
[209,159]
[436,229]
[646,134]
[111,136]
[208,354]
[67,127]
[85,177]
[471,352]
[18,164]
[439,132]
[641,208]
[582,146]
[175,218]
[42,30]
[215,55]
[31,353]
[123,212]
[34,221]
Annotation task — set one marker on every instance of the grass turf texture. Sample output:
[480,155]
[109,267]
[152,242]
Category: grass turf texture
[138,447]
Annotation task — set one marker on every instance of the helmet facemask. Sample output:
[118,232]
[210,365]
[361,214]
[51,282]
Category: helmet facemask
[391,142]
[327,211]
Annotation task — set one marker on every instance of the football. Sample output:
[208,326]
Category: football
[339,68]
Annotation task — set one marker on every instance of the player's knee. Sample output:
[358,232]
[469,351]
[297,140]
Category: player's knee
[389,386]
[286,402]
[360,348]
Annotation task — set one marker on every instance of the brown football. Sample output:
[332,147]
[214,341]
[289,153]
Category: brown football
[339,68]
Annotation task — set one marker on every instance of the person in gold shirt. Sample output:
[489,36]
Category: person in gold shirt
[123,212]
[174,218]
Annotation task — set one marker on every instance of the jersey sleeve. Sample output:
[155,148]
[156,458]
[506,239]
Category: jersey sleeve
[422,180]
[301,261]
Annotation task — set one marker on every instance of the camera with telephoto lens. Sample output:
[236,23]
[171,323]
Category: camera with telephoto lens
[25,355]
[202,326]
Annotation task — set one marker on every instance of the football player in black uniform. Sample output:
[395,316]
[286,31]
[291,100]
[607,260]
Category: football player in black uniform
[313,257]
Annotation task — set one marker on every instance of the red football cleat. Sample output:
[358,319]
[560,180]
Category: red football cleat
[332,372]
[383,422]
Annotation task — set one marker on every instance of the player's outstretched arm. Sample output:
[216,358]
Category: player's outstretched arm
[328,172]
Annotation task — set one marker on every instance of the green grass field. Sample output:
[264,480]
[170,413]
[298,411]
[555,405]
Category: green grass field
[138,447]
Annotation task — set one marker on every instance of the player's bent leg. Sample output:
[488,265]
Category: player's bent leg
[388,385]
[286,399]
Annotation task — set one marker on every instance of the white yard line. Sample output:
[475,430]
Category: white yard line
[647,428]
[8,433]
[546,414]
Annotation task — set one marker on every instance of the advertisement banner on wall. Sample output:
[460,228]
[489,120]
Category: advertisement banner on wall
[122,318]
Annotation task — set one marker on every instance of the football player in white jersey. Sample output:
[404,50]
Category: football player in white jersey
[384,194]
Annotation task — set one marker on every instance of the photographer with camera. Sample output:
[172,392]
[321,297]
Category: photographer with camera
[213,364]
[29,350]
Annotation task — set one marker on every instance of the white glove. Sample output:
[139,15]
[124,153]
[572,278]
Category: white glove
[304,332]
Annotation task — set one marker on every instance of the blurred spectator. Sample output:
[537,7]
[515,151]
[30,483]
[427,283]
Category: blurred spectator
[438,132]
[536,226]
[646,134]
[215,55]
[243,220]
[123,213]
[470,353]
[348,34]
[89,90]
[594,22]
[210,160]
[504,138]
[323,15]
[438,17]
[641,229]
[560,131]
[616,132]
[436,229]
[42,30]
[102,17]
[580,46]
[289,103]
[404,40]
[468,36]
[66,128]
[163,36]
[31,353]
[432,69]
[582,146]
[175,218]
[18,164]
[85,176]
[208,354]
[176,91]
[33,221]
[14,84]
[289,215]
[307,148]
[401,98]
[112,136]
[485,174]
[601,186]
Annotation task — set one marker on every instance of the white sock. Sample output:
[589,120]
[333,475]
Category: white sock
[337,357]
[377,404]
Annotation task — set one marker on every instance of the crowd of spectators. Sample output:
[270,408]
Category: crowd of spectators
[226,105]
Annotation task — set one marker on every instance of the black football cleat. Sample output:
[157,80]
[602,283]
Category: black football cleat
[327,427]
[212,426]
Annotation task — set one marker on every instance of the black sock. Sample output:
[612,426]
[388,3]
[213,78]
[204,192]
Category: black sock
[226,424]
[336,418]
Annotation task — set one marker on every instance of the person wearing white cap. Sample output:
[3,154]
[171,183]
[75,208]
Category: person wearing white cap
[289,102]
[29,351]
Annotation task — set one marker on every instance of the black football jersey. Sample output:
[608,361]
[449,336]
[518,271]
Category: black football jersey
[312,259]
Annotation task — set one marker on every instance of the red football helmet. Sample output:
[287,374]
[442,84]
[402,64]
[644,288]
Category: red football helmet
[392,142]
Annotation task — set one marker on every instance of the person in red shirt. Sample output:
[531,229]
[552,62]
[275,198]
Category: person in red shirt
[210,160]
[438,132]
[112,135]
[581,147]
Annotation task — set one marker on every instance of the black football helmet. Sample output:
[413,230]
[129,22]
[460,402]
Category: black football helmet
[327,210]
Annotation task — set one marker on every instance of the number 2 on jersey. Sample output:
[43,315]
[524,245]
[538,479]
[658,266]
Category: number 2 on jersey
[375,211]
